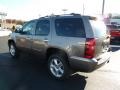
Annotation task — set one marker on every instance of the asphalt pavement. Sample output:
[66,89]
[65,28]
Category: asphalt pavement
[27,73]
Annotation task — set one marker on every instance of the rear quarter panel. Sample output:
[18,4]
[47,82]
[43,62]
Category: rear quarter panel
[74,46]
[101,36]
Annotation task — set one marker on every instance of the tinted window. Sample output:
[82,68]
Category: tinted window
[99,28]
[43,27]
[70,27]
[28,28]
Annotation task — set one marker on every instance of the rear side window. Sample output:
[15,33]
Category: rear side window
[43,27]
[99,28]
[70,27]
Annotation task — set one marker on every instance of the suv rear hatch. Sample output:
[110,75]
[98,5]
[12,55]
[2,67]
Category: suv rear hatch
[102,37]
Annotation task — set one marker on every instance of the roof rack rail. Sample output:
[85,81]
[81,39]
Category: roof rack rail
[71,14]
[75,14]
[52,15]
[44,17]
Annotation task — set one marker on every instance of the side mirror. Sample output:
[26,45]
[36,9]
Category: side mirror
[18,30]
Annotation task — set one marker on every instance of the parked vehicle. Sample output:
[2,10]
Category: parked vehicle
[5,32]
[67,42]
[114,32]
[115,20]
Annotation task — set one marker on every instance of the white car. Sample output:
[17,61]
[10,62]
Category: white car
[5,32]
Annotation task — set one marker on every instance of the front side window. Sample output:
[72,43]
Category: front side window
[43,27]
[28,28]
[70,27]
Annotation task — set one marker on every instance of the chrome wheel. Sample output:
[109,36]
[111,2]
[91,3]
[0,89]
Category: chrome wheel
[12,50]
[56,67]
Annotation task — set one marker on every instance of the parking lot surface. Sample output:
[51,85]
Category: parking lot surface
[27,73]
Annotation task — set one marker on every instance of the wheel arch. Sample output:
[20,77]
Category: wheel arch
[10,41]
[53,50]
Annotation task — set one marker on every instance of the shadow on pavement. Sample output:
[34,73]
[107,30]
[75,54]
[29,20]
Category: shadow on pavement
[114,48]
[27,73]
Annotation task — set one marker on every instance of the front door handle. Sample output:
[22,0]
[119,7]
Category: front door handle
[46,40]
[28,38]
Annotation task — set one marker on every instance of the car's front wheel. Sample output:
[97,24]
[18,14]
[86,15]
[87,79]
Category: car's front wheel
[13,50]
[58,67]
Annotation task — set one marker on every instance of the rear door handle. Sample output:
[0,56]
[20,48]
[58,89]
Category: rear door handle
[46,40]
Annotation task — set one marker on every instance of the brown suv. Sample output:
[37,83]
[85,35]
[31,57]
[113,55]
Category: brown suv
[68,42]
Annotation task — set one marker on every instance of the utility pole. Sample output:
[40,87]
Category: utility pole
[103,6]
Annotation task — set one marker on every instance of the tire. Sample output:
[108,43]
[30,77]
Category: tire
[58,67]
[13,50]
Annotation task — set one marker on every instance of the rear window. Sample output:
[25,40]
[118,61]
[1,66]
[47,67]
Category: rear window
[99,28]
[70,27]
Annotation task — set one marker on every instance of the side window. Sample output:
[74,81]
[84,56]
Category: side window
[28,28]
[70,27]
[43,27]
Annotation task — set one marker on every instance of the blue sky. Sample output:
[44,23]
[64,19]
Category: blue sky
[29,9]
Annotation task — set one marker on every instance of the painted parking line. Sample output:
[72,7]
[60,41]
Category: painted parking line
[5,32]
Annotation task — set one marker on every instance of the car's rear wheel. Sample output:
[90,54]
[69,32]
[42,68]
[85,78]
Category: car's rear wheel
[13,50]
[58,67]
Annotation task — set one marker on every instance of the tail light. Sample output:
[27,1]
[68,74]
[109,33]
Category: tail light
[90,48]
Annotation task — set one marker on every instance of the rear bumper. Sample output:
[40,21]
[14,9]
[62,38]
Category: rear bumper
[88,65]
